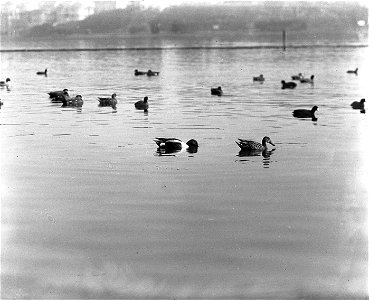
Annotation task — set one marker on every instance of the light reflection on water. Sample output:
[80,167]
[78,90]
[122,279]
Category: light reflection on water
[91,209]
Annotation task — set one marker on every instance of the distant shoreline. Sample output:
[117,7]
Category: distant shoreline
[184,48]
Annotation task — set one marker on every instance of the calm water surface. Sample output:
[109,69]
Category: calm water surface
[91,210]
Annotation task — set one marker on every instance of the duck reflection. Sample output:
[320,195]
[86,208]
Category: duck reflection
[266,153]
[174,152]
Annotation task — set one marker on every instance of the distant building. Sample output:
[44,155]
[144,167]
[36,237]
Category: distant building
[101,6]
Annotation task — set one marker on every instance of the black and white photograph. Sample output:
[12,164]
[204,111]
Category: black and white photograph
[184,149]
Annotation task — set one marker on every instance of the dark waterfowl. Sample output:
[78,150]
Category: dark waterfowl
[217,91]
[307,80]
[259,78]
[353,71]
[173,144]
[252,145]
[108,101]
[358,105]
[288,85]
[138,73]
[72,102]
[42,72]
[142,104]
[5,83]
[297,77]
[55,94]
[305,113]
[152,73]
[1,103]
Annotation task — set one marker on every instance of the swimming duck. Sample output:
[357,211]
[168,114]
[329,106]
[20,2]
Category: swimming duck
[108,101]
[55,94]
[1,103]
[173,144]
[5,83]
[142,104]
[76,101]
[305,113]
[307,80]
[152,73]
[358,105]
[353,71]
[137,72]
[259,78]
[217,91]
[42,72]
[251,145]
[288,85]
[297,77]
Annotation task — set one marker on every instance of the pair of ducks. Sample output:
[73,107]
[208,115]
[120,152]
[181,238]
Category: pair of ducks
[148,73]
[292,85]
[141,104]
[174,144]
[63,97]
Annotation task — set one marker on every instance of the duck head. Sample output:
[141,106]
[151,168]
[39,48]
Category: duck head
[267,139]
[314,109]
[114,95]
[146,99]
[7,80]
[192,143]
[362,101]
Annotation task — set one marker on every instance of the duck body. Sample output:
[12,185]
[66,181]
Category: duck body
[288,85]
[259,78]
[55,94]
[5,83]
[76,101]
[174,144]
[297,77]
[152,73]
[138,73]
[216,91]
[108,101]
[249,145]
[307,80]
[305,113]
[353,71]
[358,105]
[42,72]
[142,104]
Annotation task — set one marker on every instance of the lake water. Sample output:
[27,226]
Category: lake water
[91,210]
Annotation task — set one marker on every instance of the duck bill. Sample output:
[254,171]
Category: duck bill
[270,142]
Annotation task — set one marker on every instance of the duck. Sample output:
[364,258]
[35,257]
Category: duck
[307,80]
[174,144]
[288,85]
[259,78]
[76,101]
[108,101]
[353,71]
[358,105]
[55,94]
[297,77]
[1,103]
[5,83]
[42,72]
[305,113]
[137,72]
[152,73]
[252,145]
[142,104]
[217,91]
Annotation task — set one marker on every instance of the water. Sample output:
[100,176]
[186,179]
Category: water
[91,210]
